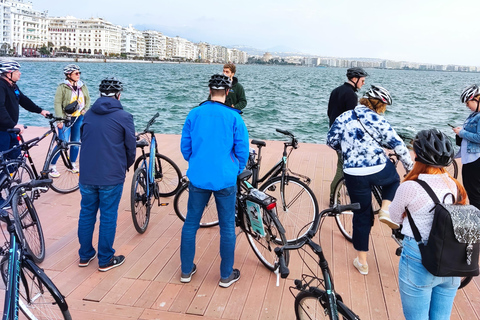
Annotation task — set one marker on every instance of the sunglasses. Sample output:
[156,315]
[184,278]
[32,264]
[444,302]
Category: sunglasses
[76,73]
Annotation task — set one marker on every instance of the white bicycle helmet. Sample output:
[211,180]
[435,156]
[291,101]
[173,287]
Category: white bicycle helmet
[379,93]
[469,93]
[8,66]
[70,68]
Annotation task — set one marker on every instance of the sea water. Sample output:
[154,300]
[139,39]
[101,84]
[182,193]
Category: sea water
[286,97]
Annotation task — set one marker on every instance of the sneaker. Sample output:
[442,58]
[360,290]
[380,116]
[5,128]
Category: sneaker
[187,277]
[85,263]
[53,172]
[384,217]
[234,277]
[114,262]
[74,168]
[362,268]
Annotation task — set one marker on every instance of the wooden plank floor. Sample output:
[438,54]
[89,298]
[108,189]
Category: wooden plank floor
[147,285]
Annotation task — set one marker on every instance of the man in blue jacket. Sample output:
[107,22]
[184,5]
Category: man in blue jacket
[108,150]
[215,144]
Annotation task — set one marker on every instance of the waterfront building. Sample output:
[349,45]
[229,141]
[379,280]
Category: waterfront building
[155,44]
[24,30]
[181,49]
[93,36]
[133,42]
[237,56]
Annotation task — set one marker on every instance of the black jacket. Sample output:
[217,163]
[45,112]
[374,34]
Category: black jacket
[108,143]
[342,99]
[10,98]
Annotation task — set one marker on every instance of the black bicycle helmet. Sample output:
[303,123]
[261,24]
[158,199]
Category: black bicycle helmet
[220,82]
[356,72]
[110,85]
[433,147]
[379,93]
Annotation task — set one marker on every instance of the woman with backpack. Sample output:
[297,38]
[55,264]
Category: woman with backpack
[423,295]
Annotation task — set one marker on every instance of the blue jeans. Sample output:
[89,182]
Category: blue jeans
[360,190]
[70,134]
[107,199]
[7,141]
[197,200]
[423,295]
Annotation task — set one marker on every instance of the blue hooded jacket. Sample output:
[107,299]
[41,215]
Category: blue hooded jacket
[108,143]
[215,144]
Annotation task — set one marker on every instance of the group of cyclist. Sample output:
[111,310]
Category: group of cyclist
[360,134]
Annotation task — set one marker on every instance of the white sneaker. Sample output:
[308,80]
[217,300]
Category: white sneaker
[74,168]
[53,172]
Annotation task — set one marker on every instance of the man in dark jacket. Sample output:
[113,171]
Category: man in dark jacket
[108,150]
[342,99]
[236,96]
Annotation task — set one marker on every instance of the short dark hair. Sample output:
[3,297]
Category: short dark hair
[230,66]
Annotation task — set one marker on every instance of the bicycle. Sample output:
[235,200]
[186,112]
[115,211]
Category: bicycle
[345,220]
[155,176]
[67,182]
[316,298]
[298,202]
[28,288]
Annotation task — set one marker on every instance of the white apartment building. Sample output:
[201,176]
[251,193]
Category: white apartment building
[155,44]
[237,56]
[86,36]
[179,48]
[24,30]
[133,42]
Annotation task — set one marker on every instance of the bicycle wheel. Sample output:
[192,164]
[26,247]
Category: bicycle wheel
[38,297]
[140,200]
[67,181]
[180,202]
[167,174]
[301,205]
[345,219]
[28,226]
[453,169]
[311,305]
[19,173]
[264,246]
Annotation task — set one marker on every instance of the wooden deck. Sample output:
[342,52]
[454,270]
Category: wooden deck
[147,285]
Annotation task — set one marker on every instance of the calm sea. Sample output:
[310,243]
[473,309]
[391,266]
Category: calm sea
[292,98]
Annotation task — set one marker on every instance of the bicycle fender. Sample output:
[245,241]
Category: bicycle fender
[274,216]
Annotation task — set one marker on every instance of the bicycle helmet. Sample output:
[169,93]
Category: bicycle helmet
[356,72]
[70,68]
[379,93]
[469,93]
[433,147]
[8,66]
[219,82]
[109,86]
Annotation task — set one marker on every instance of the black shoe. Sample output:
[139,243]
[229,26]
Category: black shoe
[114,262]
[234,277]
[187,277]
[85,263]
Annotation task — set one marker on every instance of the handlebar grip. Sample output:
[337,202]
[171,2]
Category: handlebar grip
[40,183]
[346,207]
[14,130]
[283,269]
[285,132]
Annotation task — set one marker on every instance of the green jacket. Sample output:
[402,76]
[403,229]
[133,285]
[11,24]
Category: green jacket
[63,97]
[236,96]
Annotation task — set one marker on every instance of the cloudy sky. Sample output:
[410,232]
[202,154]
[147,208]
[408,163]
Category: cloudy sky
[440,31]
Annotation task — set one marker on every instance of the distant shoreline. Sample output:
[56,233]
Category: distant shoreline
[106,60]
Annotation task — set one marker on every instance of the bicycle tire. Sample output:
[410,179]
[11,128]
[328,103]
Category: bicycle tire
[264,246]
[67,182]
[310,305]
[180,202]
[302,205]
[453,169]
[28,226]
[38,303]
[140,200]
[167,174]
[19,172]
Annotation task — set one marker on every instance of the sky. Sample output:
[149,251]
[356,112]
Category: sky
[424,31]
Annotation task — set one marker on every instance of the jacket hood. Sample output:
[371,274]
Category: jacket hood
[68,84]
[105,105]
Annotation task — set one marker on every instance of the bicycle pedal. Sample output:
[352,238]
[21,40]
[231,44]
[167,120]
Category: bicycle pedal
[163,204]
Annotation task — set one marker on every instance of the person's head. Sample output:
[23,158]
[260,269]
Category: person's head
[10,70]
[433,153]
[219,85]
[376,98]
[471,97]
[357,76]
[72,72]
[229,70]
[111,87]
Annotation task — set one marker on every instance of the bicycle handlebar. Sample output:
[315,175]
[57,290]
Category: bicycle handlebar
[293,142]
[151,121]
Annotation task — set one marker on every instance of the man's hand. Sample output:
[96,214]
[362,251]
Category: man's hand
[45,113]
[60,125]
[457,130]
[20,126]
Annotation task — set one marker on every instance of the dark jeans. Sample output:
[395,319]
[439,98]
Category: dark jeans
[360,190]
[471,181]
[9,140]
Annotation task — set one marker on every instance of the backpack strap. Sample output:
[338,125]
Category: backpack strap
[415,231]
[429,190]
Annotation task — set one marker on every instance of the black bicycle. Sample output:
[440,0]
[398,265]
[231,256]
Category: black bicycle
[316,298]
[28,288]
[297,204]
[65,180]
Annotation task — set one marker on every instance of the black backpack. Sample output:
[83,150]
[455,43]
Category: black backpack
[453,244]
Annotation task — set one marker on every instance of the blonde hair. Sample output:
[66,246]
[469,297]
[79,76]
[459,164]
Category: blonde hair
[378,107]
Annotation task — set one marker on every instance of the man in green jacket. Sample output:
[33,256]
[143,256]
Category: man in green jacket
[236,96]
